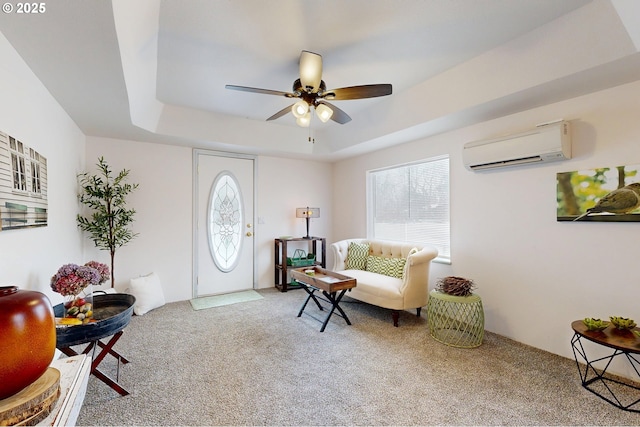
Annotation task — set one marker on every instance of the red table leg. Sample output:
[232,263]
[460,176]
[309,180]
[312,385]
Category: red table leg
[105,349]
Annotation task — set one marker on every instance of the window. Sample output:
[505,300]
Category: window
[36,187]
[225,218]
[411,203]
[18,164]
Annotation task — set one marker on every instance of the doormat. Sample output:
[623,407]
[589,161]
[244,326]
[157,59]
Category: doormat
[226,299]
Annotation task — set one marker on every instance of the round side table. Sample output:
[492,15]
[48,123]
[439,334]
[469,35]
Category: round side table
[455,321]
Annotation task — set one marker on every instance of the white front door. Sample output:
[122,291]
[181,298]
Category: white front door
[223,223]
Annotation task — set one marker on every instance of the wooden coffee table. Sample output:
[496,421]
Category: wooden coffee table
[331,284]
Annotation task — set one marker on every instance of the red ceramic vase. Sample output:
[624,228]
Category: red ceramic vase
[27,338]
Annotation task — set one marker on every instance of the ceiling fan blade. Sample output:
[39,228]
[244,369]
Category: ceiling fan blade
[263,91]
[358,92]
[338,115]
[281,113]
[310,71]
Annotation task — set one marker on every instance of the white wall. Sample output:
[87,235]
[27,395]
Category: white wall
[28,112]
[283,186]
[535,275]
[163,204]
[163,212]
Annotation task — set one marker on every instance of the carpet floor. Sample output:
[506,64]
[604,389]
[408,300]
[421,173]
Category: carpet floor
[256,363]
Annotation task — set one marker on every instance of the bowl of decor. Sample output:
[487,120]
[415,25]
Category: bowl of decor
[622,323]
[595,324]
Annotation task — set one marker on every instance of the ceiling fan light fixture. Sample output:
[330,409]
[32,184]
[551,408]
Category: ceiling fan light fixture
[324,113]
[304,121]
[310,71]
[300,108]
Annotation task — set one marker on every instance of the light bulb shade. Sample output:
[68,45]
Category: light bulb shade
[323,112]
[300,108]
[305,120]
[307,212]
[310,71]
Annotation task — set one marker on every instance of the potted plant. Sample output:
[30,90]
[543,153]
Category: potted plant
[106,197]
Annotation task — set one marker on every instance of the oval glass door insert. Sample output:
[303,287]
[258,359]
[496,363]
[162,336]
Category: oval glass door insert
[224,221]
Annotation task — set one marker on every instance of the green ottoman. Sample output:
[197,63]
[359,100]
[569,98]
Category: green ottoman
[455,321]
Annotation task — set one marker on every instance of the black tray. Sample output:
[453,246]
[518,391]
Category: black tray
[112,313]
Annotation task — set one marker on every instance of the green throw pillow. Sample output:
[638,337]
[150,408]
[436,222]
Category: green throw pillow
[393,267]
[357,254]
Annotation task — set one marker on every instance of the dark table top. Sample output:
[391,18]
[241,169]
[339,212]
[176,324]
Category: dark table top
[326,280]
[624,340]
[112,313]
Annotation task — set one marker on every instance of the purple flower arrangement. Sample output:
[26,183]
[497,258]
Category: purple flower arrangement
[71,279]
[105,274]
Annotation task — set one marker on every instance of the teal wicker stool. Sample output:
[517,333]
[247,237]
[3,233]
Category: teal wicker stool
[455,321]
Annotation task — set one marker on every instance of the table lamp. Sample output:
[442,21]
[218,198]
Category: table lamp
[307,213]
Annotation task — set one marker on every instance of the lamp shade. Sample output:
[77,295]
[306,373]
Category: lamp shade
[307,212]
[305,120]
[310,71]
[300,108]
[323,112]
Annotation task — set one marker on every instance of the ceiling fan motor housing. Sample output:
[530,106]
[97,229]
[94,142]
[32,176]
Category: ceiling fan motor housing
[297,88]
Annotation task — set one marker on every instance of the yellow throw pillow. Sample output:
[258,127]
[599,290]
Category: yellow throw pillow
[392,267]
[357,254]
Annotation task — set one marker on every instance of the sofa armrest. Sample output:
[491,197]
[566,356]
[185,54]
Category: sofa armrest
[415,286]
[426,254]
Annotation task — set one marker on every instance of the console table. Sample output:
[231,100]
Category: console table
[280,253]
[608,387]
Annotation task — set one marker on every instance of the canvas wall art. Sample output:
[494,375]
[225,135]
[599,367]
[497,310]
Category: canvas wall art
[608,194]
[23,185]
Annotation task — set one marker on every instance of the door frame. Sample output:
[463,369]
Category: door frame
[194,221]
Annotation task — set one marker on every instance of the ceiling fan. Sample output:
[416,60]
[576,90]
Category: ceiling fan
[312,92]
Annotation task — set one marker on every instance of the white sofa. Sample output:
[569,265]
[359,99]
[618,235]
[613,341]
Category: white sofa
[409,291]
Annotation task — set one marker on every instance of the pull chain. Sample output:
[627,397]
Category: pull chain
[311,138]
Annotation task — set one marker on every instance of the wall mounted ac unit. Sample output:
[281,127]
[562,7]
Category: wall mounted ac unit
[546,143]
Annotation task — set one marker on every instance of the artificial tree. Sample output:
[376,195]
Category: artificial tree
[105,195]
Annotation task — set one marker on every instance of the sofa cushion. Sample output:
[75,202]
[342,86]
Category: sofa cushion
[392,267]
[377,289]
[357,256]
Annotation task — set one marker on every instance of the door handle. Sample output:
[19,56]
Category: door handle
[249,234]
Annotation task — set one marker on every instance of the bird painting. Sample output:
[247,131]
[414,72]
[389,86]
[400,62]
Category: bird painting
[620,201]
